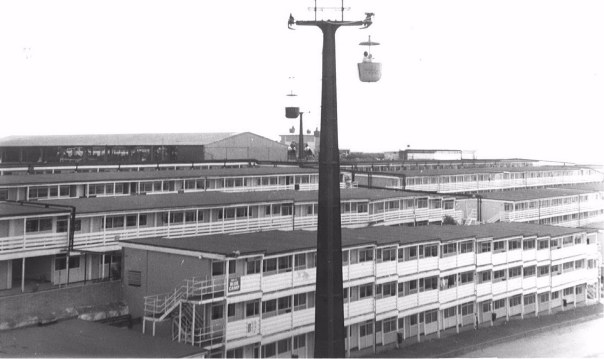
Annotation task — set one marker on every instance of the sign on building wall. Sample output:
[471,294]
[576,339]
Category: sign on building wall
[234,284]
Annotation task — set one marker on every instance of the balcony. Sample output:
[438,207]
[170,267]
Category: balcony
[514,255]
[360,307]
[529,283]
[304,317]
[407,267]
[499,258]
[484,288]
[543,281]
[448,262]
[250,283]
[426,264]
[447,295]
[484,258]
[386,304]
[29,242]
[465,290]
[360,270]
[543,254]
[465,259]
[408,301]
[276,324]
[514,283]
[243,328]
[305,277]
[499,287]
[429,296]
[529,255]
[275,282]
[387,268]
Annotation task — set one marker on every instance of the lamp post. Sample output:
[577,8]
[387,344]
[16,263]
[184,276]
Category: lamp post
[329,311]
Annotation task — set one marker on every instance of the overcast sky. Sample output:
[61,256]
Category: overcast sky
[513,78]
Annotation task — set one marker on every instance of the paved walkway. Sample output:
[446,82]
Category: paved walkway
[81,339]
[455,345]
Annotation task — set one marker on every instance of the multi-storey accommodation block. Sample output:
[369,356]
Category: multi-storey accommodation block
[254,294]
[101,224]
[118,184]
[478,179]
[563,206]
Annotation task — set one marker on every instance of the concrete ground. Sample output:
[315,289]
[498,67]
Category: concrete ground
[471,341]
[578,341]
[82,339]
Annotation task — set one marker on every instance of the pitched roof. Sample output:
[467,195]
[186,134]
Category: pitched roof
[10,209]
[149,175]
[470,171]
[193,199]
[277,242]
[142,139]
[531,194]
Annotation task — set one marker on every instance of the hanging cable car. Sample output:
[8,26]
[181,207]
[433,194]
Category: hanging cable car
[369,71]
[292,111]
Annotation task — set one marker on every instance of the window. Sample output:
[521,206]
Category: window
[555,243]
[299,341]
[484,247]
[299,301]
[431,251]
[568,266]
[543,297]
[428,283]
[231,311]
[142,219]
[252,309]
[217,268]
[555,295]
[568,291]
[466,247]
[515,300]
[529,299]
[345,257]
[555,270]
[529,271]
[447,250]
[467,308]
[580,263]
[252,265]
[543,244]
[269,308]
[217,311]
[269,350]
[568,241]
[388,254]
[499,246]
[499,275]
[269,266]
[365,290]
[528,244]
[484,276]
[430,316]
[134,278]
[497,304]
[466,277]
[410,253]
[300,261]
[38,225]
[448,281]
[385,290]
[116,222]
[514,272]
[389,325]
[284,305]
[131,220]
[543,270]
[62,226]
[365,255]
[285,264]
[366,329]
[449,312]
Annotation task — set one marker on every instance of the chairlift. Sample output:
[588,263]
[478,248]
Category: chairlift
[369,71]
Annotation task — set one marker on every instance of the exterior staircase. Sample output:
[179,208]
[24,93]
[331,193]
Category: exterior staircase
[187,308]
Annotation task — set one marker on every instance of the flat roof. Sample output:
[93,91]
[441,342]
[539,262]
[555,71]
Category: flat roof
[191,199]
[39,179]
[532,194]
[77,338]
[141,139]
[469,171]
[11,209]
[277,242]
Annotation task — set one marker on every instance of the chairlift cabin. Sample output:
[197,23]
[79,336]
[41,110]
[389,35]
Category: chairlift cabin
[292,111]
[369,71]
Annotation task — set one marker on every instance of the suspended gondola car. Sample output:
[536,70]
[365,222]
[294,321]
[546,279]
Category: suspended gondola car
[369,70]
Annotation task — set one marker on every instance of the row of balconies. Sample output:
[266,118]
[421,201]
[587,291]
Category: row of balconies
[240,225]
[371,308]
[536,213]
